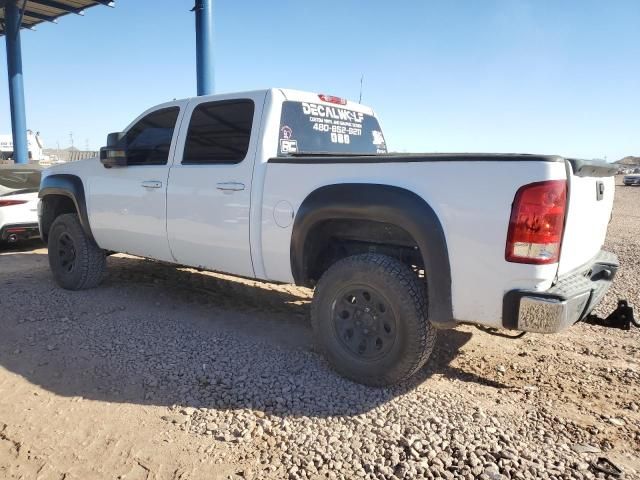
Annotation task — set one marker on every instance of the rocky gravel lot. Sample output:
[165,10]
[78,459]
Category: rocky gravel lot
[170,373]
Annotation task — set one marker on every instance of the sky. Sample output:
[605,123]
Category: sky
[536,76]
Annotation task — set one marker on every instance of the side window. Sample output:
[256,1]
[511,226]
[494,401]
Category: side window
[149,140]
[219,132]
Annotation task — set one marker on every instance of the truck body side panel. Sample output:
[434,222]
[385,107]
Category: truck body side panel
[472,200]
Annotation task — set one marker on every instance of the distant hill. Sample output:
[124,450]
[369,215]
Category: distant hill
[629,161]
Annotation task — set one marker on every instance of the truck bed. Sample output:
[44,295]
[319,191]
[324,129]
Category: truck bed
[471,194]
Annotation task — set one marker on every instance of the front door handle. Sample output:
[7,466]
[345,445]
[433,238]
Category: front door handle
[151,184]
[230,186]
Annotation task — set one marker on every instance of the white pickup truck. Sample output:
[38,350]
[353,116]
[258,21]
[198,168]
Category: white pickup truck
[296,187]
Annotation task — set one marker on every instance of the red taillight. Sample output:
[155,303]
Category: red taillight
[8,203]
[332,99]
[537,223]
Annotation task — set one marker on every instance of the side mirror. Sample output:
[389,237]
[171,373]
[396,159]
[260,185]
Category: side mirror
[113,139]
[114,154]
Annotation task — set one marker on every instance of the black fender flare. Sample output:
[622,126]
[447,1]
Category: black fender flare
[382,203]
[69,186]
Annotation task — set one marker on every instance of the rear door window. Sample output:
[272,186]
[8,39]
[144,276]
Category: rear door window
[219,132]
[308,128]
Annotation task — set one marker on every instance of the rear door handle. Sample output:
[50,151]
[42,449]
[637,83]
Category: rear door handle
[230,186]
[151,184]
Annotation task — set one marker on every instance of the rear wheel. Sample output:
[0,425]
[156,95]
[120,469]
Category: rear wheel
[76,261]
[369,316]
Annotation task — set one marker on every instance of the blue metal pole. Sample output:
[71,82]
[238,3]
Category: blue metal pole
[13,19]
[204,46]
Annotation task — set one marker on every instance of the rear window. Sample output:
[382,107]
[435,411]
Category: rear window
[307,127]
[13,180]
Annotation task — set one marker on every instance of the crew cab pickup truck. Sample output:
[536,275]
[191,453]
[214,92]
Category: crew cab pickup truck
[289,186]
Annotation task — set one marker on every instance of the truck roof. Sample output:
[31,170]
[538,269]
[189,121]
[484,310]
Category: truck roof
[289,94]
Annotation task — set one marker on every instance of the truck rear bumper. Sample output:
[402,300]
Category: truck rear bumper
[570,300]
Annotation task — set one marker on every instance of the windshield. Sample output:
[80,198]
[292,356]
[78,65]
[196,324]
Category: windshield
[313,128]
[15,179]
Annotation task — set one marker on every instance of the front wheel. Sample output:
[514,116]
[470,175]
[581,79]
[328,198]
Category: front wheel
[76,261]
[369,316]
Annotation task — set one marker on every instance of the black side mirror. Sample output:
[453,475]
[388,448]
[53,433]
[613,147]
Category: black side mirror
[114,154]
[114,139]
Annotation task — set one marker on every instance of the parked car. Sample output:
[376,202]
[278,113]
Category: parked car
[19,202]
[297,187]
[631,179]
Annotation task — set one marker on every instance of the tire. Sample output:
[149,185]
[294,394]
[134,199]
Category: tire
[385,344]
[76,262]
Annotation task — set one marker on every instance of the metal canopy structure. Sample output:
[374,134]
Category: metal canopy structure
[38,11]
[18,14]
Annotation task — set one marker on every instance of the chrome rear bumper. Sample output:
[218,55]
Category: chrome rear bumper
[570,300]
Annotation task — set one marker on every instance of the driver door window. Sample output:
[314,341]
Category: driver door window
[148,141]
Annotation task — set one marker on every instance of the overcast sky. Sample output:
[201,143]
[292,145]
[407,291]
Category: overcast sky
[537,76]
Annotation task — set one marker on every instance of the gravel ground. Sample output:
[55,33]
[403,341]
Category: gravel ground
[171,373]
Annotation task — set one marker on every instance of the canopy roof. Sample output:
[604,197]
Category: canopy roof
[38,11]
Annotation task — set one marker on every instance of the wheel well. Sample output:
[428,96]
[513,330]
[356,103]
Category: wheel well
[381,218]
[52,206]
[332,240]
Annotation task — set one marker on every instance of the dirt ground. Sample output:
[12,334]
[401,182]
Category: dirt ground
[116,382]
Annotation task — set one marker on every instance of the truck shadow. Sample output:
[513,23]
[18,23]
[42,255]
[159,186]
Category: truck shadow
[159,335]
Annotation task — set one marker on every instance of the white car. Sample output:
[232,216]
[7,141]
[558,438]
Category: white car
[19,202]
[298,187]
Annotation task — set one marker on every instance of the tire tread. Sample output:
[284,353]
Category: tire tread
[398,276]
[90,259]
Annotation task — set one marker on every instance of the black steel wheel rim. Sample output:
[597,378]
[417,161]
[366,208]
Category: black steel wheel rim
[364,322]
[66,252]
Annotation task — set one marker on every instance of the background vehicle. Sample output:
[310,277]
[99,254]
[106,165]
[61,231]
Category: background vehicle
[632,178]
[298,187]
[34,144]
[19,202]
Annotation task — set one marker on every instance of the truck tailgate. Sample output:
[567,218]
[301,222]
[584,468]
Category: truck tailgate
[591,188]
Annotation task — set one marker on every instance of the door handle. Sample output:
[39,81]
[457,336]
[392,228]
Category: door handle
[151,184]
[230,186]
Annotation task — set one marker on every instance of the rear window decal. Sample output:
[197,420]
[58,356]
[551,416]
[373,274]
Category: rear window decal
[328,129]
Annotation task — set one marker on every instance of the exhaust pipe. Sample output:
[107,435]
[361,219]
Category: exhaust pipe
[13,238]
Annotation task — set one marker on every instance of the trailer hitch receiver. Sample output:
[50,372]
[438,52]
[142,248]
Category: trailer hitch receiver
[621,318]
